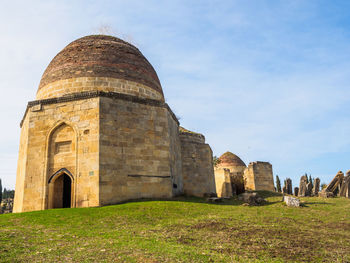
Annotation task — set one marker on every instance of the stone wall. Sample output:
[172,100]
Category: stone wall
[223,183]
[259,176]
[21,166]
[39,158]
[197,165]
[6,206]
[236,175]
[175,155]
[113,147]
[135,158]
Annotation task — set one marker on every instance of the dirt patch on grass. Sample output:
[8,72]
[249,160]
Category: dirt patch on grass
[245,240]
[345,226]
[212,225]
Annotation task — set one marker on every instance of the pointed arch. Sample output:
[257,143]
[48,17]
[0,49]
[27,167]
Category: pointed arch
[61,162]
[57,125]
[59,173]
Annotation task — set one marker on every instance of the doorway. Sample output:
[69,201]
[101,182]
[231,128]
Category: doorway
[60,191]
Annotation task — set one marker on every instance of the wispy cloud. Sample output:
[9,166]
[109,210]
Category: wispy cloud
[268,81]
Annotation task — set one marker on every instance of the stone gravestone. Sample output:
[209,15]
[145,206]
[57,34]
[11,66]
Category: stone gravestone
[302,186]
[345,187]
[284,189]
[308,189]
[335,185]
[251,198]
[296,191]
[316,187]
[291,201]
[325,194]
[289,186]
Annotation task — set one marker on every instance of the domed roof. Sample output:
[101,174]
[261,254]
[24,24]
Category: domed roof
[101,56]
[231,159]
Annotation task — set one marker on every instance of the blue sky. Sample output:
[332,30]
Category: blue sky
[267,80]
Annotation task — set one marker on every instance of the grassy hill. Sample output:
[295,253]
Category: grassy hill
[184,230]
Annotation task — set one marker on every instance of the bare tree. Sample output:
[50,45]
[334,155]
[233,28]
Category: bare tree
[278,184]
[0,192]
[104,29]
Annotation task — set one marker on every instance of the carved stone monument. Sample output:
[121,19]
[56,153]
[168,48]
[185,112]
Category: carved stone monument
[302,186]
[316,188]
[308,189]
[296,191]
[345,187]
[335,185]
[289,186]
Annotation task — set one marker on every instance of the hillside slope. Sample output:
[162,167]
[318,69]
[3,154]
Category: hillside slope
[185,230]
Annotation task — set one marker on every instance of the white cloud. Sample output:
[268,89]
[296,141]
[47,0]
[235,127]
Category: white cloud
[266,81]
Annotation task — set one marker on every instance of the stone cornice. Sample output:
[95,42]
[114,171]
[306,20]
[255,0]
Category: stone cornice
[96,94]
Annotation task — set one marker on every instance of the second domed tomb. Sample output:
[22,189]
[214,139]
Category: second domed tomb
[232,176]
[229,175]
[99,132]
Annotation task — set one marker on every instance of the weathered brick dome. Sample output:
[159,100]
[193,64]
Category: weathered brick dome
[100,62]
[230,159]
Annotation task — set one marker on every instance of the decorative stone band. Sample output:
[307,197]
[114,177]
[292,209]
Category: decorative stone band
[156,176]
[192,137]
[94,94]
[85,84]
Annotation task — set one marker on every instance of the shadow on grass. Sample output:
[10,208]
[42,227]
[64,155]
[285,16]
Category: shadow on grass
[307,204]
[266,194]
[233,201]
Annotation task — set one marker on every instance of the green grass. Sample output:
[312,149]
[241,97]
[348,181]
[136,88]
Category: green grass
[183,230]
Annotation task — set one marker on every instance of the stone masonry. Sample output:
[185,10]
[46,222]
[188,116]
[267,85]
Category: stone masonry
[197,164]
[259,176]
[236,167]
[100,133]
[223,183]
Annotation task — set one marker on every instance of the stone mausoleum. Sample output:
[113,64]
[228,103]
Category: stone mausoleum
[100,132]
[232,176]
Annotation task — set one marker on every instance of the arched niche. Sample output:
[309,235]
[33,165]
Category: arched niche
[61,166]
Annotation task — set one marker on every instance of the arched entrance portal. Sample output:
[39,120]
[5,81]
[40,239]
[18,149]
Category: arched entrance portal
[60,190]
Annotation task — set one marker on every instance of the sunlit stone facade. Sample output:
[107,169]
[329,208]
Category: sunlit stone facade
[99,133]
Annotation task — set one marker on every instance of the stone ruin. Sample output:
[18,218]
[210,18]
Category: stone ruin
[251,199]
[233,177]
[223,183]
[291,201]
[307,188]
[303,186]
[339,186]
[345,187]
[6,206]
[287,188]
[259,176]
[296,191]
[316,188]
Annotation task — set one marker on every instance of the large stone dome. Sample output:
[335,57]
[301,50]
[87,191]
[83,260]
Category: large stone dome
[230,159]
[100,62]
